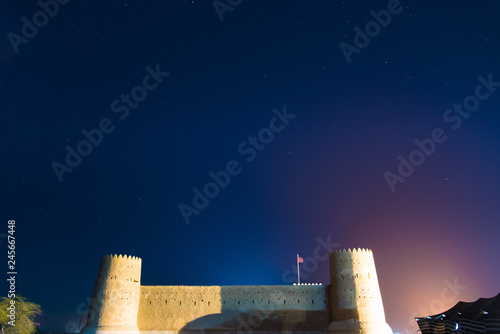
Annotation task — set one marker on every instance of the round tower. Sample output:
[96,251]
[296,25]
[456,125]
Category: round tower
[115,301]
[355,301]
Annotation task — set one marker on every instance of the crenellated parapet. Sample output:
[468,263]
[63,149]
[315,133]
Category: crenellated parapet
[115,301]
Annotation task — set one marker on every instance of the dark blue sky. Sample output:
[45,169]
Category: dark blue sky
[319,176]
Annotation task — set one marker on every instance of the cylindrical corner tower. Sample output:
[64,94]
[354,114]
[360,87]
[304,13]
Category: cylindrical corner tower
[115,301]
[355,301]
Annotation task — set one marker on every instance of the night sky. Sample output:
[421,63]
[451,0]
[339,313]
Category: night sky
[308,124]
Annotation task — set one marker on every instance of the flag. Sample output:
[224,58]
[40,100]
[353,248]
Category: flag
[300,260]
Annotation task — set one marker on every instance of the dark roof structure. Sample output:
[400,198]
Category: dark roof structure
[481,316]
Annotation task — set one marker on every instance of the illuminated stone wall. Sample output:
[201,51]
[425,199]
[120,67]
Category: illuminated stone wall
[115,301]
[352,304]
[355,300]
[181,305]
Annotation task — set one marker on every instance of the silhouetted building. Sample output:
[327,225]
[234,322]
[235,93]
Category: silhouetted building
[481,316]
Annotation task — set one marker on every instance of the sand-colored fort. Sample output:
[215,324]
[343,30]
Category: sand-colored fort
[350,304]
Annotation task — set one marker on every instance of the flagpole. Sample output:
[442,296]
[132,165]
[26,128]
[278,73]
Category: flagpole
[298,269]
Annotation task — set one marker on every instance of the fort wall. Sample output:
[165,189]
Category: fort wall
[185,304]
[115,300]
[351,304]
[355,299]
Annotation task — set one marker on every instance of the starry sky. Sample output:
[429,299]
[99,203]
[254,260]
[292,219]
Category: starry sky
[217,141]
